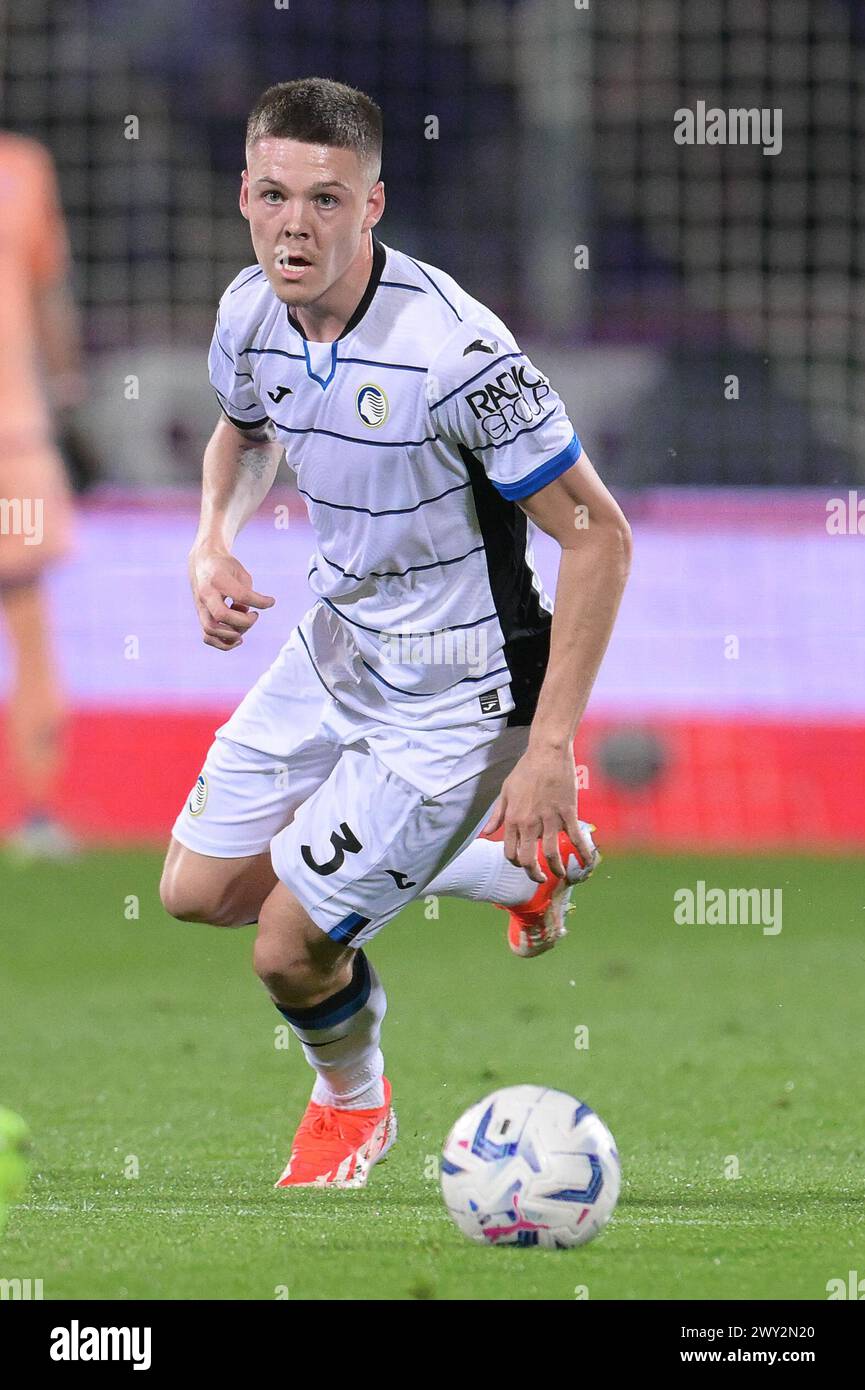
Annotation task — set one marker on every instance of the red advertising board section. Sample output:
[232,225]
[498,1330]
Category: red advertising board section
[721,784]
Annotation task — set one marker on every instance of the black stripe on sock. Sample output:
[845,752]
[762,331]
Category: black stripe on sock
[337,1006]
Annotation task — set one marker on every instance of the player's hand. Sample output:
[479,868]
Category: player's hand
[223,594]
[537,800]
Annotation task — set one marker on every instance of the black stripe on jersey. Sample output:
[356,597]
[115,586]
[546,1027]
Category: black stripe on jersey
[484,718]
[273,352]
[246,424]
[225,403]
[387,511]
[382,632]
[398,574]
[360,361]
[241,424]
[248,375]
[435,287]
[227,406]
[312,663]
[484,371]
[248,280]
[428,694]
[394,366]
[224,350]
[355,439]
[525,624]
[398,285]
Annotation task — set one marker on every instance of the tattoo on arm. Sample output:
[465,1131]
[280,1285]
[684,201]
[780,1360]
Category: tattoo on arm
[256,462]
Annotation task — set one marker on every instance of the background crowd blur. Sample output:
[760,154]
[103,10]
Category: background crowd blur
[699,307]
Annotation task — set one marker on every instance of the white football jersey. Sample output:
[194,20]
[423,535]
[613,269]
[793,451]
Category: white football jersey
[411,437]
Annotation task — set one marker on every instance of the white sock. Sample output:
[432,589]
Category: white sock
[340,1040]
[481,872]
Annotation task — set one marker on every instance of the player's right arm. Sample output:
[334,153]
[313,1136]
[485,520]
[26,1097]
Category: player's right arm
[239,469]
[240,464]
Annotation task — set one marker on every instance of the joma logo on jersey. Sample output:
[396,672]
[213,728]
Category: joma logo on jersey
[511,399]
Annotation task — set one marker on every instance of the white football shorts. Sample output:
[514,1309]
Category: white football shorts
[359,815]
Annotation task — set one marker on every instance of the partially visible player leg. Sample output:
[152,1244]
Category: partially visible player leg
[333,1000]
[37,706]
[481,873]
[332,997]
[364,844]
[536,912]
[205,888]
[218,867]
[35,714]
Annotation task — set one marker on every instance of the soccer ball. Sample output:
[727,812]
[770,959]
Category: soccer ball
[530,1166]
[14,1161]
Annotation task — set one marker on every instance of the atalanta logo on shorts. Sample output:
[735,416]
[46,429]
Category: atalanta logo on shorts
[198,799]
[372,406]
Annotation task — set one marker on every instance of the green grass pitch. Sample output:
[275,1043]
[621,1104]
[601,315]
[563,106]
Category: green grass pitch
[140,1045]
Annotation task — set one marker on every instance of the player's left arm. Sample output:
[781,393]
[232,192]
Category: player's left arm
[539,798]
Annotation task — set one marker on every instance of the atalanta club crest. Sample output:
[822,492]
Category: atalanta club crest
[372,406]
[198,799]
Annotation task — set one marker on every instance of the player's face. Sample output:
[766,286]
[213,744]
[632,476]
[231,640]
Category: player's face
[308,208]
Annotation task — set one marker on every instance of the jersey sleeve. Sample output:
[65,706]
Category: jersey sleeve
[483,393]
[231,378]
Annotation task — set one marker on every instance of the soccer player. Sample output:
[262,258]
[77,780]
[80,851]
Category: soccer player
[430,681]
[40,380]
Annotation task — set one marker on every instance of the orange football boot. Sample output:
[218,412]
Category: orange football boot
[337,1148]
[535,926]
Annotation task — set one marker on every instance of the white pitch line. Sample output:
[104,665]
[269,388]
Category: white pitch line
[145,1209]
